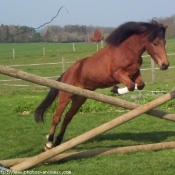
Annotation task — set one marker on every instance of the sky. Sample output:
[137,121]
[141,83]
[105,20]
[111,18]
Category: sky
[104,13]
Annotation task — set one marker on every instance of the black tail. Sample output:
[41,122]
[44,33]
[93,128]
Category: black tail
[46,103]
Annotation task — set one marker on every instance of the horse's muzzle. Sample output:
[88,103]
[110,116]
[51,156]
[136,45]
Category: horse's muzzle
[164,66]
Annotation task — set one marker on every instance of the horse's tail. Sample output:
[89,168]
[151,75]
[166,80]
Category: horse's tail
[46,103]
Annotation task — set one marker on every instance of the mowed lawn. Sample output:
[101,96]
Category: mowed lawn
[22,137]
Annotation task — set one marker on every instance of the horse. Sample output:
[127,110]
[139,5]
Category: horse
[118,62]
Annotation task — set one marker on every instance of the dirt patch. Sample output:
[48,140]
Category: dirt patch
[25,113]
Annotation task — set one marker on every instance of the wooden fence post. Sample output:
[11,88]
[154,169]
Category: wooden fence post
[73,47]
[101,44]
[13,53]
[97,46]
[44,51]
[152,71]
[63,64]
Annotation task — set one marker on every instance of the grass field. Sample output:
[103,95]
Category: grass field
[22,137]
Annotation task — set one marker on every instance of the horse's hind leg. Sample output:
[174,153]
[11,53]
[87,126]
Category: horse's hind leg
[77,102]
[64,99]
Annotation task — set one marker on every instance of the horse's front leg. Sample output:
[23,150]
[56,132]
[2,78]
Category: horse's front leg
[138,80]
[122,77]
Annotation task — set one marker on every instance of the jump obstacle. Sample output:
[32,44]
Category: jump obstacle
[85,154]
[137,110]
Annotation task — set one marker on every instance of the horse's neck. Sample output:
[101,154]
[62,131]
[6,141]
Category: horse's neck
[136,44]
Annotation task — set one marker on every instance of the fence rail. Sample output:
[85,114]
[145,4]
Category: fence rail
[40,64]
[64,62]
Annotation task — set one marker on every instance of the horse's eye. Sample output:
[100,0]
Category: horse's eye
[155,43]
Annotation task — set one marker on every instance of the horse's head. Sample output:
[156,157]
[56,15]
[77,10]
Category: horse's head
[156,49]
[156,46]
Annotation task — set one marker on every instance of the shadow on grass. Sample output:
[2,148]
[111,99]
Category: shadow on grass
[147,137]
[114,140]
[25,153]
[97,147]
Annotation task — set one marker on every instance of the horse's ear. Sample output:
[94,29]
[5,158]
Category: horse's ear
[166,27]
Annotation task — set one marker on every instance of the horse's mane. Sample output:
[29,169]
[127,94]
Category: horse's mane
[128,29]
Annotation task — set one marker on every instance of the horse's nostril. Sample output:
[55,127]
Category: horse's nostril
[164,66]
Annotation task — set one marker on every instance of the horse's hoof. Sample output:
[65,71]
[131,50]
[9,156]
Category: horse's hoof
[46,148]
[115,89]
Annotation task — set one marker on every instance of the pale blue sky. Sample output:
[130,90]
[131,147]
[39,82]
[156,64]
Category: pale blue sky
[108,13]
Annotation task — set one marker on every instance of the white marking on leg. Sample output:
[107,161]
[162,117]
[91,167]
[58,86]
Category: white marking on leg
[49,144]
[124,90]
[47,136]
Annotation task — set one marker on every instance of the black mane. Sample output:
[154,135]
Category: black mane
[128,29]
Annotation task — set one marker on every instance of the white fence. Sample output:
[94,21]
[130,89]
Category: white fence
[63,65]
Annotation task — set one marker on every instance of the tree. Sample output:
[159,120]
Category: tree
[170,22]
[97,37]
[5,35]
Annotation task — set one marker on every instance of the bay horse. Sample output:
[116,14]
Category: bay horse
[118,62]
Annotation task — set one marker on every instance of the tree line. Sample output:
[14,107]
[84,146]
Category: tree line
[72,33]
[16,34]
[68,33]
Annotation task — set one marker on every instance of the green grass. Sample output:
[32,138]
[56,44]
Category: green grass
[22,137]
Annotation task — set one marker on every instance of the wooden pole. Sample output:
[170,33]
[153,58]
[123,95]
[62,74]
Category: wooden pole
[82,92]
[93,133]
[90,153]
